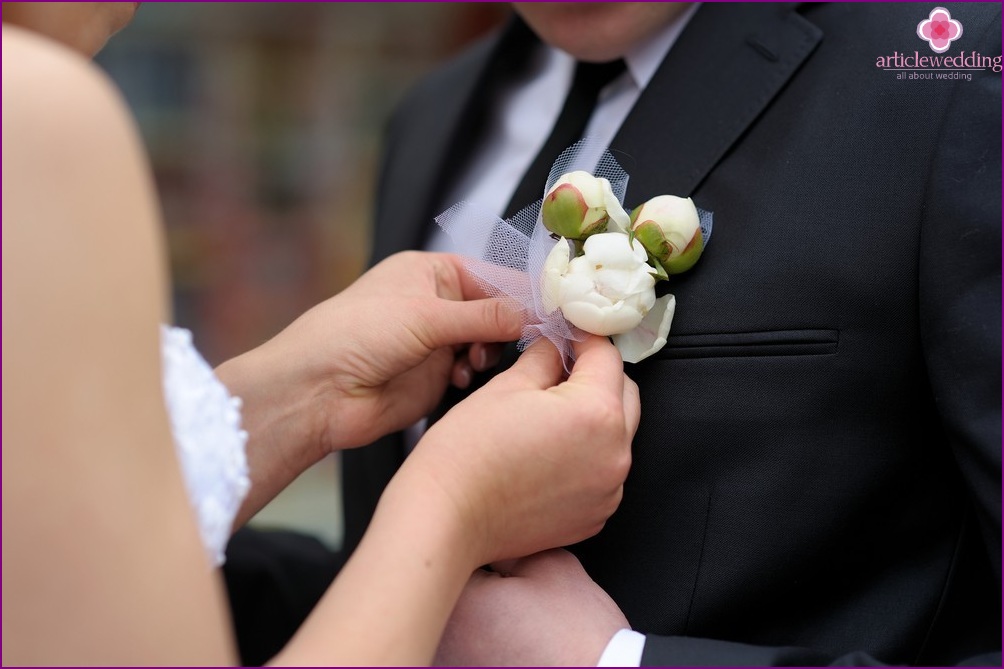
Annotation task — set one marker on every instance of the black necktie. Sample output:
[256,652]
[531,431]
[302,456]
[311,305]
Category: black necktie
[589,80]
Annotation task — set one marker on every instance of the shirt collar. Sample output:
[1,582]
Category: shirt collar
[643,60]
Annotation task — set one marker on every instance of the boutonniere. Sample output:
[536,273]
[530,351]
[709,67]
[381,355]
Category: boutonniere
[576,262]
[603,270]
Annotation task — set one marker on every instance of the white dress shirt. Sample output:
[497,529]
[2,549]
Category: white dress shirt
[529,108]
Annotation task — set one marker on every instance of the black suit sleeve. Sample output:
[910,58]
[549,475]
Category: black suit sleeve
[274,578]
[960,289]
[685,651]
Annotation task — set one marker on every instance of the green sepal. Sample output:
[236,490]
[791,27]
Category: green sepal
[660,272]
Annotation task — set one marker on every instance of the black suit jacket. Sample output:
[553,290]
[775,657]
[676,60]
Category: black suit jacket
[817,475]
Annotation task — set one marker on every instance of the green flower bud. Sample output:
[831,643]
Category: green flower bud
[669,229]
[575,207]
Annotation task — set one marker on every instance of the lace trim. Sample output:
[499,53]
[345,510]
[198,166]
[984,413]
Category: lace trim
[206,422]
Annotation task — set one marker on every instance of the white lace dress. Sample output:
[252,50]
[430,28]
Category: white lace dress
[206,422]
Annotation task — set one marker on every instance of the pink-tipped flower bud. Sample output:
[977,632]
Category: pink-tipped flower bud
[579,205]
[670,230]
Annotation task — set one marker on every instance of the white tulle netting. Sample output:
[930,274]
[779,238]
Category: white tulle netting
[506,257]
[206,423]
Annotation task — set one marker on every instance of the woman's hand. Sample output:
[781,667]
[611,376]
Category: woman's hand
[378,356]
[373,359]
[525,463]
[530,462]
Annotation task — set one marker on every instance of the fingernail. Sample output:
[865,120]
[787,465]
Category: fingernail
[464,377]
[496,356]
[482,359]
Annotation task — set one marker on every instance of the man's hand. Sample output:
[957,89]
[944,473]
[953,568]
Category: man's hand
[538,611]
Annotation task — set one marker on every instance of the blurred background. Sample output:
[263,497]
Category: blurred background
[264,124]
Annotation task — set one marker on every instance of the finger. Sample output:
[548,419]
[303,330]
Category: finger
[539,366]
[470,286]
[453,281]
[452,322]
[477,356]
[632,405]
[598,363]
[483,355]
[461,374]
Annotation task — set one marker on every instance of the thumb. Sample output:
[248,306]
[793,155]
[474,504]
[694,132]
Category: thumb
[539,366]
[598,364]
[462,322]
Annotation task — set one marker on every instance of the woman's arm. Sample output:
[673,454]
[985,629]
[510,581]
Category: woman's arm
[102,562]
[371,360]
[526,463]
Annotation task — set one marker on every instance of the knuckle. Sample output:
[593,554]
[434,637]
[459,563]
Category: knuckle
[401,258]
[630,383]
[617,498]
[622,465]
[590,529]
[606,415]
[632,389]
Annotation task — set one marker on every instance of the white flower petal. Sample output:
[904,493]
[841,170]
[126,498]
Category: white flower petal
[619,219]
[644,301]
[650,335]
[558,257]
[641,280]
[578,287]
[639,251]
[589,187]
[611,250]
[584,316]
[616,284]
[606,321]
[555,266]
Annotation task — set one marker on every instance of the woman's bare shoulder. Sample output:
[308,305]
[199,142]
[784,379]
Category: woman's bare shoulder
[79,209]
[55,97]
[38,70]
[84,290]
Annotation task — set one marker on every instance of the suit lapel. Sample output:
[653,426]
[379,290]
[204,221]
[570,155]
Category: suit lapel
[726,67]
[440,138]
[415,160]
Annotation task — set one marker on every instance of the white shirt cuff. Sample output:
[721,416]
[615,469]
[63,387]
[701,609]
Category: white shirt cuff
[623,650]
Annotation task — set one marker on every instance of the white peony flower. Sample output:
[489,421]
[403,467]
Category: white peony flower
[607,290]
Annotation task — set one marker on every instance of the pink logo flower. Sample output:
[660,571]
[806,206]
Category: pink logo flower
[939,30]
